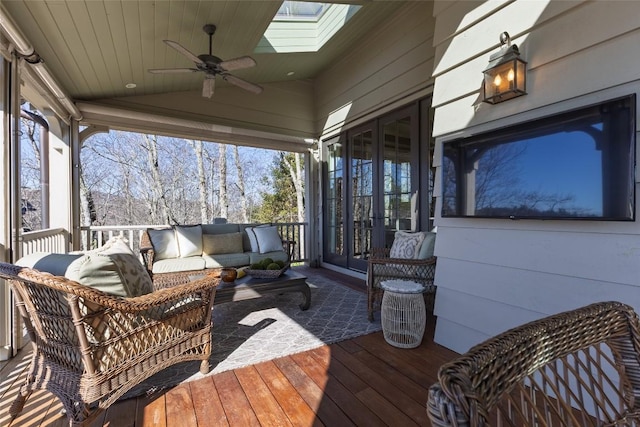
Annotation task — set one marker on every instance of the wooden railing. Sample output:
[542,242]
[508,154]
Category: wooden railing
[57,239]
[49,240]
[95,236]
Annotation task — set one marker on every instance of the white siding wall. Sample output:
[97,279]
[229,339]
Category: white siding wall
[389,68]
[494,274]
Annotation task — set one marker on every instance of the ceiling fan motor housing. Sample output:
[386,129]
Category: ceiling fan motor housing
[211,61]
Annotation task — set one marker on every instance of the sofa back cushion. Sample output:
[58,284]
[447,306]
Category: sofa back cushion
[228,243]
[56,264]
[164,243]
[189,238]
[220,228]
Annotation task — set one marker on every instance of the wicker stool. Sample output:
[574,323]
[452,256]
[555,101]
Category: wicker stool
[404,315]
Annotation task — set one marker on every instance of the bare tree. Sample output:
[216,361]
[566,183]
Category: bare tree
[224,201]
[240,184]
[202,180]
[296,173]
[159,200]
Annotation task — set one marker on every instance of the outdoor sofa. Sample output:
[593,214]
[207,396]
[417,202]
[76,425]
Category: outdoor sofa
[183,248]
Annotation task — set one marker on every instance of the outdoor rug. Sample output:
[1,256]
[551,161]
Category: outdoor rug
[253,331]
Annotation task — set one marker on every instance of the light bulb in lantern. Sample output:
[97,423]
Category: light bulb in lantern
[510,75]
[497,81]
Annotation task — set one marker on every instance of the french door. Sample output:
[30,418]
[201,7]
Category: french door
[371,187]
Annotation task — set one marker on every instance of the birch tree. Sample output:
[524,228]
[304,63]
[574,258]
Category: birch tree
[202,181]
[240,184]
[294,165]
[222,162]
[158,201]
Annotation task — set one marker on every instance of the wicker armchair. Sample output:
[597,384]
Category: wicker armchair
[578,368]
[90,347]
[381,267]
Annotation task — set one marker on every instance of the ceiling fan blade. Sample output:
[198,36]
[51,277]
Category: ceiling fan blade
[177,46]
[208,86]
[172,70]
[243,84]
[238,63]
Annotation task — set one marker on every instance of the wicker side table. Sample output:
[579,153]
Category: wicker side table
[404,314]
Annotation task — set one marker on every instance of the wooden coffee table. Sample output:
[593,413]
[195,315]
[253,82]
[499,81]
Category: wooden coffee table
[250,287]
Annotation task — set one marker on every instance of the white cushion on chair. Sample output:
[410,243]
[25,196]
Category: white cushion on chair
[427,246]
[406,244]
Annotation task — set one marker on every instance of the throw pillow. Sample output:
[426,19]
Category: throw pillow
[428,245]
[189,240]
[268,238]
[228,243]
[164,243]
[114,270]
[253,241]
[406,244]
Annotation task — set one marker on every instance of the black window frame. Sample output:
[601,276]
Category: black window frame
[459,154]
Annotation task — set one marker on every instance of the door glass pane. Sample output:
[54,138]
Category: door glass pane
[362,193]
[397,177]
[334,198]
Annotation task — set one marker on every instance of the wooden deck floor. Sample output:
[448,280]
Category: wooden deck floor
[362,382]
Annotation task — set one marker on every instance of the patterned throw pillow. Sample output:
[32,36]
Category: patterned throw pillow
[113,269]
[406,245]
[227,243]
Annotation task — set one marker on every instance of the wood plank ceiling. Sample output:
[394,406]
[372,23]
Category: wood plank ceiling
[93,48]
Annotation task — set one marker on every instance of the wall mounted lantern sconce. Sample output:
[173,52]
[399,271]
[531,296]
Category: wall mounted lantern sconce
[506,75]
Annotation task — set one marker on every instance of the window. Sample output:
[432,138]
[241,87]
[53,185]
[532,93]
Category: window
[578,164]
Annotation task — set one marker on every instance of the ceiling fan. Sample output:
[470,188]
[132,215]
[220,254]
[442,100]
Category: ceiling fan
[212,66]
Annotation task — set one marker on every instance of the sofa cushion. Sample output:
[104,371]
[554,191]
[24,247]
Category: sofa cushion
[55,264]
[189,238]
[246,243]
[220,228]
[228,243]
[226,260]
[268,239]
[173,265]
[427,246]
[164,243]
[406,244]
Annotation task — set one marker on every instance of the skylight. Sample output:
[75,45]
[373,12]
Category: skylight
[300,10]
[300,26]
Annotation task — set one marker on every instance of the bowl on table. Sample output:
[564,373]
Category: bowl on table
[228,274]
